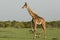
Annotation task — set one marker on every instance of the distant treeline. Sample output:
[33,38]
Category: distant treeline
[17,24]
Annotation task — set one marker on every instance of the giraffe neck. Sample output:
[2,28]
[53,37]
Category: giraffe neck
[31,12]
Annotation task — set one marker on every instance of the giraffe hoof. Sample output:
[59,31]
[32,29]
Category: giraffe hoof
[37,36]
[34,37]
[31,31]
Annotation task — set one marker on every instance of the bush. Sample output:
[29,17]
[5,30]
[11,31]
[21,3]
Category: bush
[29,24]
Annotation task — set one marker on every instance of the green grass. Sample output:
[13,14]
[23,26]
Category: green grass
[25,34]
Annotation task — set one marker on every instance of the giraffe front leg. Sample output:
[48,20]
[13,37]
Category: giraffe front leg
[33,28]
[39,34]
[35,31]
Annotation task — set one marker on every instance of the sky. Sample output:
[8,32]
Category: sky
[11,9]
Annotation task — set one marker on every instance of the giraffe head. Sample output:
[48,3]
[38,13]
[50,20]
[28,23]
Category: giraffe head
[25,5]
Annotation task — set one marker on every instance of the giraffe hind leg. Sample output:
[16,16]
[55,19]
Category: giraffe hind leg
[44,29]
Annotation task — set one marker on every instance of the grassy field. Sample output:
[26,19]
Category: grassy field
[25,34]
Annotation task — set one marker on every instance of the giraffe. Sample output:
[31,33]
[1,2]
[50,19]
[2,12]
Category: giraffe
[36,20]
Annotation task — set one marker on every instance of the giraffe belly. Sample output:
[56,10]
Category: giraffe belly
[39,23]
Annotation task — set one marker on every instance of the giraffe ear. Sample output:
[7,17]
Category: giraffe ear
[26,3]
